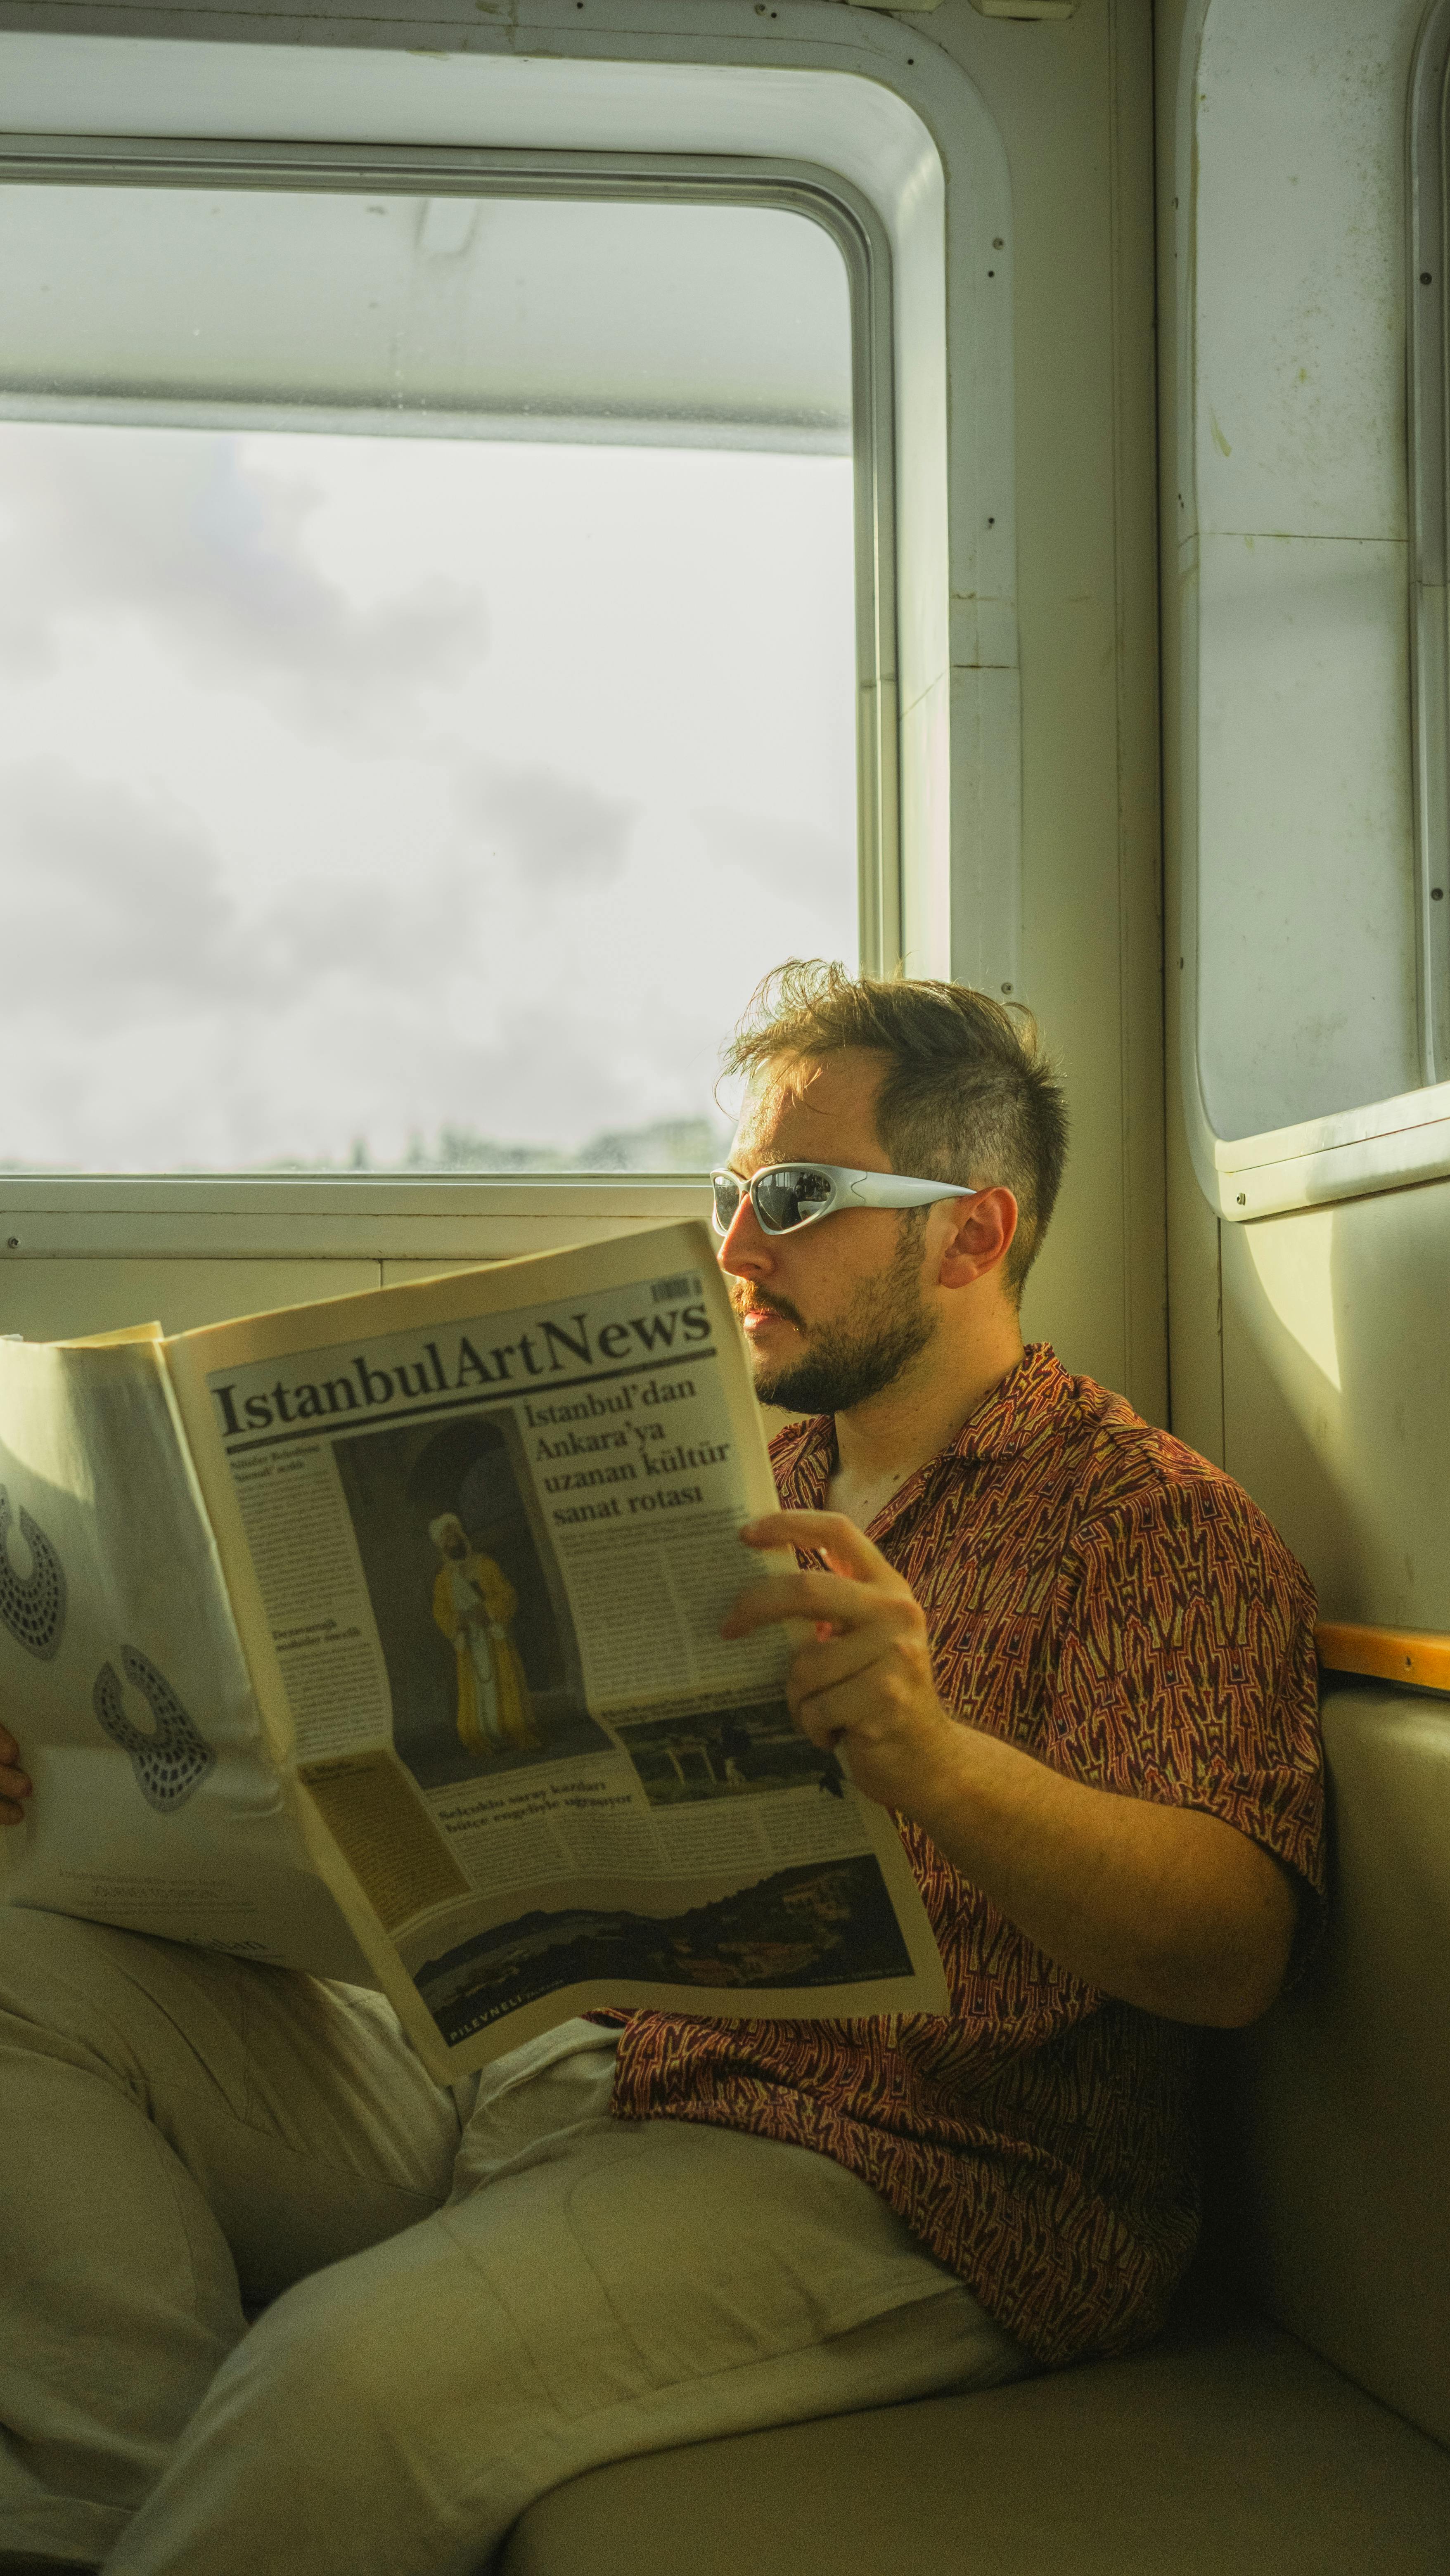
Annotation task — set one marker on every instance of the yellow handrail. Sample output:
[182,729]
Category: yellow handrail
[1416,1655]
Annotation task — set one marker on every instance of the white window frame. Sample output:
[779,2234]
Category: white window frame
[1392,1143]
[902,162]
[1427,287]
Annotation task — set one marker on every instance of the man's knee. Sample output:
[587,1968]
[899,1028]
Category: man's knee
[314,2368]
[143,2015]
[368,2366]
[32,1943]
[56,1973]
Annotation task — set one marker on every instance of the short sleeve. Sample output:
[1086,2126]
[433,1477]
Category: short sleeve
[1186,1670]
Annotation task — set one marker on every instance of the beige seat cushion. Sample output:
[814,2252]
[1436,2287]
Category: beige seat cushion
[1232,2452]
[1334,2161]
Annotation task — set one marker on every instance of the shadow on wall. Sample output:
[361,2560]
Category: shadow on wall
[1337,1395]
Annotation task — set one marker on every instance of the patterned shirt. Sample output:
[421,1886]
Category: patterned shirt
[1099,1595]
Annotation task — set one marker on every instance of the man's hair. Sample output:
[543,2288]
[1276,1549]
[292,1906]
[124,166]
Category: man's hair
[966,1095]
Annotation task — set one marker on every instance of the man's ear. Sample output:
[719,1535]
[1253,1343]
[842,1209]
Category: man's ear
[981,1239]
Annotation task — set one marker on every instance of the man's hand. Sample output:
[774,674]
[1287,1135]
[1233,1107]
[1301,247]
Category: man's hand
[14,1786]
[863,1687]
[1166,1907]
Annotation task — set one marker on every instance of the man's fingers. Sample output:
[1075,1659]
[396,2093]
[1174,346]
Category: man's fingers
[14,1783]
[818,1597]
[818,1726]
[823,1667]
[829,1534]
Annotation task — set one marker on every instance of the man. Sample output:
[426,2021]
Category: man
[1068,1655]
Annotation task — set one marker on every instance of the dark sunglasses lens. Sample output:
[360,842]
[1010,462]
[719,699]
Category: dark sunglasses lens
[728,1195]
[790,1197]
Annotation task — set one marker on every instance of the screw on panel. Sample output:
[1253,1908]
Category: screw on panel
[1243,1200]
[1425,279]
[13,1243]
[1437,894]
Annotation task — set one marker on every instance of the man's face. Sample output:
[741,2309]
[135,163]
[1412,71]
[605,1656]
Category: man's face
[835,1312]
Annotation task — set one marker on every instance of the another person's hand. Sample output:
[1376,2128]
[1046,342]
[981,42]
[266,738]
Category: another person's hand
[14,1785]
[864,1687]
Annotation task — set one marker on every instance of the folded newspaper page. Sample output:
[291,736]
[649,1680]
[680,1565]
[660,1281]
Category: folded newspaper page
[379,1638]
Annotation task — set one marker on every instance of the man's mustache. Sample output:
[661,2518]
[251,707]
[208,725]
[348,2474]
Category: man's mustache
[756,1301]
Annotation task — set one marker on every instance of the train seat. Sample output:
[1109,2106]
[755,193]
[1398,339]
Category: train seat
[1295,2418]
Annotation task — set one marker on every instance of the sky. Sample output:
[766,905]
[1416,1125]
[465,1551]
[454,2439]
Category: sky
[356,788]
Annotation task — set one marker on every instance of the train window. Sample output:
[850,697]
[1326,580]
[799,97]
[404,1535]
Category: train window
[1299,945]
[431,635]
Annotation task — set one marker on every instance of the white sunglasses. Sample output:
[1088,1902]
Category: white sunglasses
[787,1195]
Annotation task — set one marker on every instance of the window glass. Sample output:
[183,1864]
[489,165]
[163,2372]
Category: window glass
[1292,579]
[427,673]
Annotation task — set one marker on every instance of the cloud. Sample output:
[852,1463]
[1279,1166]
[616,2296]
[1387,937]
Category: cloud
[165,1014]
[173,534]
[112,897]
[162,1010]
[792,858]
[560,830]
[119,905]
[296,941]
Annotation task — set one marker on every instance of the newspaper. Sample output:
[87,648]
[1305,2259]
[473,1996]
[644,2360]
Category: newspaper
[379,1638]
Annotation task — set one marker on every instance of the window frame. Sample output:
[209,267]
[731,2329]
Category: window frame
[1427,289]
[857,106]
[1395,1142]
[817,196]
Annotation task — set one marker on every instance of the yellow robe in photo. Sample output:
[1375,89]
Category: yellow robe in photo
[473,1603]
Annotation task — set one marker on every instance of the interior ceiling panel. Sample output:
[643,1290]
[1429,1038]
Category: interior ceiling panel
[513,317]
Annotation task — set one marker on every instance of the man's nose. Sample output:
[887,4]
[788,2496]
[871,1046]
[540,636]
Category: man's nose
[745,1251]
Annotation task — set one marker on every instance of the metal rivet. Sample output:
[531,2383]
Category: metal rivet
[1006,988]
[997,242]
[13,1244]
[1437,894]
[1424,277]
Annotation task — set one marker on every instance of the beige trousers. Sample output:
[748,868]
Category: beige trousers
[471,2300]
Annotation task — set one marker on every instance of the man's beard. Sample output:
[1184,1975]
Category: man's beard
[860,1353]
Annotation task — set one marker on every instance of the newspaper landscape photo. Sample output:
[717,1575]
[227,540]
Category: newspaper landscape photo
[378,1638]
